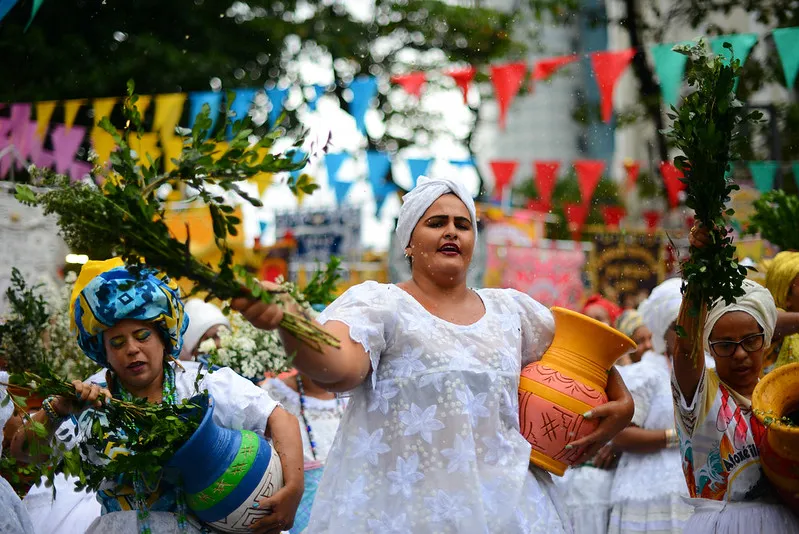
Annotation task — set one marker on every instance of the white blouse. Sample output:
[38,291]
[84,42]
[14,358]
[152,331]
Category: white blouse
[323,415]
[430,442]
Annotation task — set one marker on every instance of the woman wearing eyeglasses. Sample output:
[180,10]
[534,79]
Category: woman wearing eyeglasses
[719,434]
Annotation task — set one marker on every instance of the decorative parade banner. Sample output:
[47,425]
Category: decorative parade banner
[322,233]
[548,272]
[626,263]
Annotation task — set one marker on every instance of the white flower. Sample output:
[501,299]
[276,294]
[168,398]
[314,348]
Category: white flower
[408,363]
[473,406]
[500,450]
[353,497]
[462,455]
[406,475]
[368,445]
[421,422]
[447,508]
[465,357]
[207,346]
[384,392]
[434,378]
[389,525]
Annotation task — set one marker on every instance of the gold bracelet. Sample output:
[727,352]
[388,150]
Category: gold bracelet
[672,439]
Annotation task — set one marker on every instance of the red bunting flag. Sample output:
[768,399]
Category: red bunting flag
[463,78]
[540,206]
[652,219]
[545,68]
[503,174]
[589,172]
[412,83]
[671,179]
[576,214]
[546,175]
[608,67]
[613,215]
[507,79]
[633,170]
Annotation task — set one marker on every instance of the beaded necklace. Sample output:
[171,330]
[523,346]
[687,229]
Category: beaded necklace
[301,391]
[168,396]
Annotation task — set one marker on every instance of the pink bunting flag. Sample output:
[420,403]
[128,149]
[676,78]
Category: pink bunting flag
[412,83]
[672,180]
[36,152]
[503,174]
[546,176]
[65,145]
[576,215]
[544,68]
[14,134]
[463,79]
[507,80]
[589,172]
[608,67]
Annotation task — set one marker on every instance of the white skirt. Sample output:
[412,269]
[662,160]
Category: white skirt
[585,493]
[127,523]
[72,511]
[722,517]
[14,517]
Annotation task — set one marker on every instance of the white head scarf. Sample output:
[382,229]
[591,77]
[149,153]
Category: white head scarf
[660,309]
[202,316]
[757,302]
[426,192]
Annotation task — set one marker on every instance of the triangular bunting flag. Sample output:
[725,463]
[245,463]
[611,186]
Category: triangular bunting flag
[364,89]
[34,9]
[763,173]
[546,176]
[576,215]
[35,145]
[277,98]
[44,111]
[462,162]
[589,173]
[317,92]
[672,180]
[795,168]
[297,156]
[503,175]
[172,147]
[669,67]
[102,141]
[378,165]
[15,132]
[544,68]
[240,108]
[168,109]
[608,67]
[145,145]
[333,163]
[787,41]
[463,79]
[418,167]
[742,44]
[633,170]
[263,180]
[652,219]
[613,215]
[263,225]
[102,107]
[412,83]
[5,7]
[341,189]
[507,80]
[71,108]
[66,143]
[198,100]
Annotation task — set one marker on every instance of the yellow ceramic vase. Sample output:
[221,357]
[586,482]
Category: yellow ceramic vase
[569,380]
[776,396]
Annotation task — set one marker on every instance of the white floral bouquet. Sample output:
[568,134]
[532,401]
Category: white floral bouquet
[247,350]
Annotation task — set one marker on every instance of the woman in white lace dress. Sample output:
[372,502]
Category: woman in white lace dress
[14,518]
[430,440]
[649,486]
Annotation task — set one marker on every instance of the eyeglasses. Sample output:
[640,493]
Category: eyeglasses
[725,349]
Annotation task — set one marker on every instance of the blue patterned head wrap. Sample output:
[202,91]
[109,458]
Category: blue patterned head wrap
[114,294]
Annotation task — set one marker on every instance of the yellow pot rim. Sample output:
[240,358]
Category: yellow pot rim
[758,393]
[600,324]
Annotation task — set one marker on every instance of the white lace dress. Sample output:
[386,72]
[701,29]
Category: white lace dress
[649,489]
[430,441]
[71,511]
[14,519]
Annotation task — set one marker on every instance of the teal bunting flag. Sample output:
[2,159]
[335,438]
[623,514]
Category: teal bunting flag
[795,168]
[296,157]
[264,225]
[378,165]
[763,173]
[787,41]
[240,108]
[364,89]
[460,163]
[742,44]
[34,9]
[670,68]
[418,167]
[342,189]
[198,100]
[6,6]
[277,97]
[333,163]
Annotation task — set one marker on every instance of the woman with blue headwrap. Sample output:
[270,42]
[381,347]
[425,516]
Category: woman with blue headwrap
[133,324]
[430,441]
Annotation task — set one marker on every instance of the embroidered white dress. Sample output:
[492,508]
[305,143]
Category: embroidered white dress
[648,489]
[71,511]
[238,404]
[14,518]
[430,441]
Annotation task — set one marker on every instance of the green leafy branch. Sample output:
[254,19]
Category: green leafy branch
[125,217]
[707,130]
[775,217]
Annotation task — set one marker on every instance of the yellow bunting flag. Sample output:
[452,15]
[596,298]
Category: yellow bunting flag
[145,145]
[71,108]
[172,147]
[263,180]
[168,109]
[142,103]
[103,108]
[103,144]
[44,111]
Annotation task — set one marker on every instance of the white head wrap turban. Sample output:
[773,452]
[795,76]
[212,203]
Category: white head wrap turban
[661,309]
[757,302]
[202,316]
[418,200]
